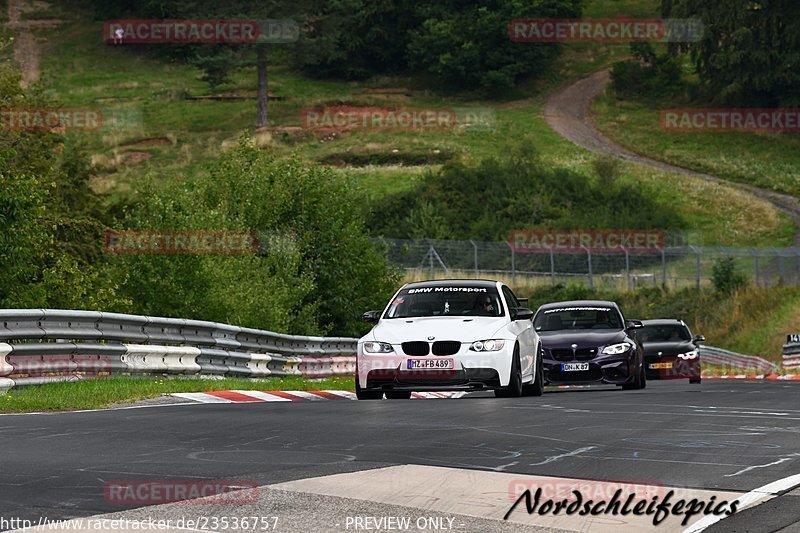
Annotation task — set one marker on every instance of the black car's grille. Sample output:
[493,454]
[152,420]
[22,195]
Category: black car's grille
[446,347]
[415,348]
[585,354]
[562,354]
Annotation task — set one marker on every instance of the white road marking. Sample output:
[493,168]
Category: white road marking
[555,458]
[779,461]
[747,500]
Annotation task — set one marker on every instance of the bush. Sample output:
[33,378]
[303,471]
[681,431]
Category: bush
[488,200]
[725,276]
[316,272]
[648,74]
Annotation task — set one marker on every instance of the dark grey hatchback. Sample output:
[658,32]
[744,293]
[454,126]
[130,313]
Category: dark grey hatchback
[589,341]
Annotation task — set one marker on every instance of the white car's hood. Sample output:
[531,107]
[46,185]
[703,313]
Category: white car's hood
[463,329]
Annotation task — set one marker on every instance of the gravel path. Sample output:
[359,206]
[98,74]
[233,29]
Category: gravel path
[568,112]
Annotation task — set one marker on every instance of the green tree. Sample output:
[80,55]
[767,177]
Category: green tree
[749,50]
[316,271]
[725,276]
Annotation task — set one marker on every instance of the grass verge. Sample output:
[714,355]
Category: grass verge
[98,393]
[767,160]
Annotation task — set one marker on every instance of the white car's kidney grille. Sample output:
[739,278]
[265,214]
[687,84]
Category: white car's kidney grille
[417,348]
[446,347]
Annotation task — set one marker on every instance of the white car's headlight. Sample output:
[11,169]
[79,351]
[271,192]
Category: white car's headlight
[688,355]
[378,347]
[491,345]
[616,349]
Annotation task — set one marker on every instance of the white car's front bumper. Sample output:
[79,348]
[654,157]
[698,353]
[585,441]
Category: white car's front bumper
[471,370]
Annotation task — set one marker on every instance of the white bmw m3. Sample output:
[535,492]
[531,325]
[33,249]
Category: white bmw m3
[450,335]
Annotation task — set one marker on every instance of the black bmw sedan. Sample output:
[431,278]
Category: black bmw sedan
[589,341]
[670,350]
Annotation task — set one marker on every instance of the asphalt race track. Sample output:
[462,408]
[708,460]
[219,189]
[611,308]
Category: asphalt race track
[719,437]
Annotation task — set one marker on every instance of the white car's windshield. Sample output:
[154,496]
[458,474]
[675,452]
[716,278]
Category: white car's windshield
[451,300]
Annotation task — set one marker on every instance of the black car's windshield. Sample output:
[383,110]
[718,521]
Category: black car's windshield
[669,333]
[583,317]
[452,300]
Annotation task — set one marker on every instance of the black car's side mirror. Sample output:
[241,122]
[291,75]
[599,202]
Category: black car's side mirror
[522,300]
[698,338]
[371,316]
[521,313]
[633,324]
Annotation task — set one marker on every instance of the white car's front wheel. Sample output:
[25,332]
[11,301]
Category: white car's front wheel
[367,395]
[514,389]
[537,387]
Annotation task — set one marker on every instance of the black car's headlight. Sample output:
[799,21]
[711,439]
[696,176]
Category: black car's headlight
[378,347]
[616,349]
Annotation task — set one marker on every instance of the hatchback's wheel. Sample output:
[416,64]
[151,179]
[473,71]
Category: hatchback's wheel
[514,389]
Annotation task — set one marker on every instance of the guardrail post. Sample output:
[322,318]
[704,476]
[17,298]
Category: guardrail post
[553,267]
[663,267]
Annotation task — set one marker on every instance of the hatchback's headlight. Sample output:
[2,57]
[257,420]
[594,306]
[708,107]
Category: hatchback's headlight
[688,355]
[491,345]
[616,349]
[378,347]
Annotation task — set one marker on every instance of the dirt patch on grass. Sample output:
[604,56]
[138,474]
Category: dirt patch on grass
[152,141]
[392,158]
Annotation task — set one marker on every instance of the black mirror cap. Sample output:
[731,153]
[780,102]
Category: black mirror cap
[521,313]
[371,316]
[698,338]
[633,324]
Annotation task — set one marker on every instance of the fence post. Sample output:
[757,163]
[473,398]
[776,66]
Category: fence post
[781,273]
[663,268]
[755,262]
[589,262]
[627,268]
[475,249]
[513,267]
[697,266]
[553,267]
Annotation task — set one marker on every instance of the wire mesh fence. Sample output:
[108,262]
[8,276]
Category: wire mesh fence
[671,267]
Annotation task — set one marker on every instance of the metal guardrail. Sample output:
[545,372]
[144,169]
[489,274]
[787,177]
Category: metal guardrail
[42,345]
[733,360]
